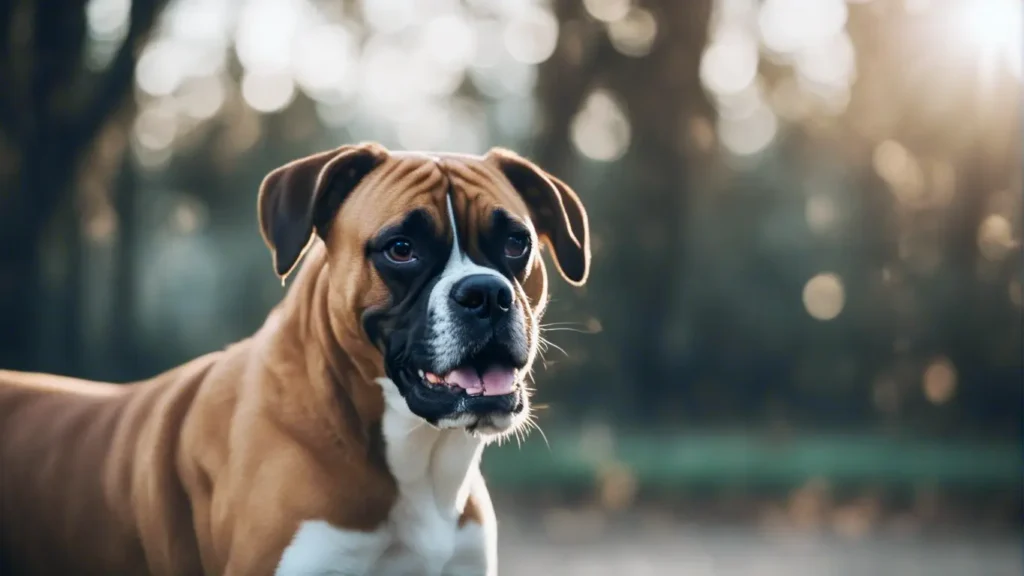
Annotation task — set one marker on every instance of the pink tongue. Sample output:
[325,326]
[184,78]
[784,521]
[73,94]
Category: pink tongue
[465,378]
[496,381]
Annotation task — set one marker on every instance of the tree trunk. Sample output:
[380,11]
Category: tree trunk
[44,175]
[44,117]
[660,161]
[124,322]
[19,271]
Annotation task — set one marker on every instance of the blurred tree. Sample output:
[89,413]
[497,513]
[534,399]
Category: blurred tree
[938,132]
[52,108]
[659,88]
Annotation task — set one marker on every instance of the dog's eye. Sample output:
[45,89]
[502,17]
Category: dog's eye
[400,251]
[517,245]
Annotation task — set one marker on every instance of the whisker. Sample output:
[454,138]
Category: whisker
[548,324]
[555,346]
[531,424]
[568,329]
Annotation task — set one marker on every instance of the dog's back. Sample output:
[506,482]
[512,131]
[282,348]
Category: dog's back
[67,483]
[54,432]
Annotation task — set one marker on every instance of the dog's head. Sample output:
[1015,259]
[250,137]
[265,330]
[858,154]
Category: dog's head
[433,262]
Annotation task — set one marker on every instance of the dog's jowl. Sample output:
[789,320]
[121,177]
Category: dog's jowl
[344,436]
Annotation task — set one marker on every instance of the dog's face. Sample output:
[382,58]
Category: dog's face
[434,262]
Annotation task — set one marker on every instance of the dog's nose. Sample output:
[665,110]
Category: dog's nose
[483,295]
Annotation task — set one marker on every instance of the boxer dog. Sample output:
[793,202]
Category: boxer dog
[343,437]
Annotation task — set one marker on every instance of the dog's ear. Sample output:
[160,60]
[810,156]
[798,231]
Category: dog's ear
[556,211]
[304,195]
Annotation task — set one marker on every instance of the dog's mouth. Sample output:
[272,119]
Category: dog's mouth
[495,380]
[482,391]
[490,372]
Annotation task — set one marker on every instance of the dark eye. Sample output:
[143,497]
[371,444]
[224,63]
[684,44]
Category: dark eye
[400,251]
[517,245]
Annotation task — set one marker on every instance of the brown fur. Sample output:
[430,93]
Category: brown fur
[211,466]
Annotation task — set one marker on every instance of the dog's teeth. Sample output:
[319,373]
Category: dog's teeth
[420,372]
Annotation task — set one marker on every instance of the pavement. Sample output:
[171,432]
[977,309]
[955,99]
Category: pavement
[573,544]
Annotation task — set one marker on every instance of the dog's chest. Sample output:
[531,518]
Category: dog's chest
[435,471]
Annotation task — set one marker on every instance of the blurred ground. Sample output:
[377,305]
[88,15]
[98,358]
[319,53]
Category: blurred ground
[528,547]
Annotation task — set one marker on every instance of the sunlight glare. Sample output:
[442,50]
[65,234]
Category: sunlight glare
[266,32]
[995,27]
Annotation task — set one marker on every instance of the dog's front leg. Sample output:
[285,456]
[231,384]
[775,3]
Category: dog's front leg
[476,542]
[316,549]
[320,549]
[294,525]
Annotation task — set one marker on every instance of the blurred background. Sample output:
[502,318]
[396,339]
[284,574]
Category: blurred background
[800,348]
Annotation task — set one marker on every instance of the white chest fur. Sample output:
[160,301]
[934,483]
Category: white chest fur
[436,470]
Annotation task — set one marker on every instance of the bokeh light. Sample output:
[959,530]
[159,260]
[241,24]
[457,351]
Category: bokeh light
[107,19]
[1015,292]
[939,381]
[824,296]
[389,16]
[266,33]
[898,167]
[748,133]
[607,10]
[201,98]
[634,34]
[729,63]
[820,212]
[267,91]
[788,26]
[532,35]
[161,68]
[156,126]
[830,65]
[189,216]
[324,61]
[601,130]
[451,41]
[995,237]
[101,225]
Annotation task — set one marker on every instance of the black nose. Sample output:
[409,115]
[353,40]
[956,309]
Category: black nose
[483,295]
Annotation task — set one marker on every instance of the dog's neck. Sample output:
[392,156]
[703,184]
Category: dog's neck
[350,393]
[342,391]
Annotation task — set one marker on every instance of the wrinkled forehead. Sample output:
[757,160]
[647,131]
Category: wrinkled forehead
[480,193]
[424,182]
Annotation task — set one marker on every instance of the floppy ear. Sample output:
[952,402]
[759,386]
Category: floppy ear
[556,211]
[305,195]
